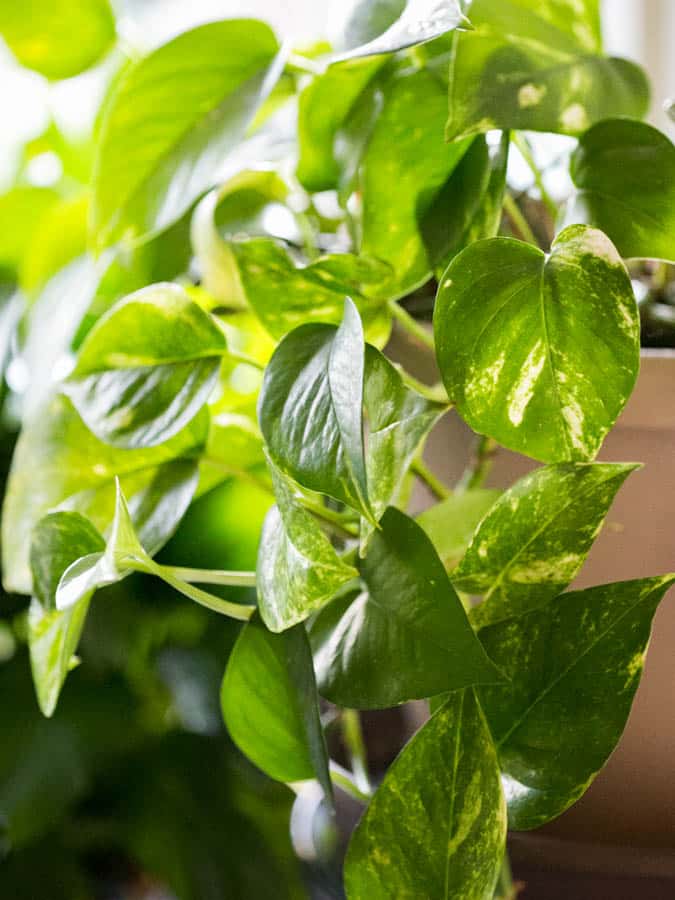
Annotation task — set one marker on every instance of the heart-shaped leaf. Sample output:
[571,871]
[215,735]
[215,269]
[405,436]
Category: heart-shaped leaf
[386,26]
[59,463]
[310,409]
[624,172]
[58,540]
[41,34]
[570,691]
[271,707]
[298,569]
[437,825]
[534,540]
[469,206]
[171,121]
[539,352]
[147,367]
[406,637]
[536,65]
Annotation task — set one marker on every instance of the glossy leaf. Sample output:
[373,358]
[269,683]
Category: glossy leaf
[535,65]
[624,172]
[406,636]
[323,108]
[385,26]
[40,33]
[469,206]
[405,164]
[58,463]
[534,540]
[172,120]
[146,369]
[284,295]
[570,693]
[539,352]
[310,409]
[451,523]
[58,540]
[437,824]
[298,569]
[270,705]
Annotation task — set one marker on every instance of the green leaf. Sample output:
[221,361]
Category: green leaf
[469,206]
[523,339]
[147,367]
[398,421]
[324,106]
[58,38]
[234,448]
[437,824]
[574,664]
[270,704]
[406,637]
[298,569]
[239,207]
[310,409]
[452,523]
[535,65]
[624,172]
[59,237]
[59,539]
[59,463]
[405,164]
[172,120]
[284,295]
[534,540]
[21,211]
[386,26]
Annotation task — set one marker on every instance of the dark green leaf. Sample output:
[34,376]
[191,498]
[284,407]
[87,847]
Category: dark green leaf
[534,540]
[406,637]
[574,666]
[535,64]
[58,38]
[146,369]
[539,352]
[271,707]
[437,825]
[59,463]
[624,172]
[405,164]
[469,206]
[298,569]
[324,106]
[311,412]
[385,26]
[172,119]
[284,295]
[451,523]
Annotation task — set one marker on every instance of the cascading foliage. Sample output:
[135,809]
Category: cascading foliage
[257,219]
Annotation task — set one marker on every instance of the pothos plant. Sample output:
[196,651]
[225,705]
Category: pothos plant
[258,219]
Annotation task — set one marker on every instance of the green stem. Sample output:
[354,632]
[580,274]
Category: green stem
[213,576]
[236,356]
[356,747]
[479,468]
[519,221]
[334,518]
[523,145]
[412,326]
[343,779]
[422,471]
[434,392]
[506,889]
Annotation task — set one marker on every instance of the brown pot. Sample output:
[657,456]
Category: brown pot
[632,801]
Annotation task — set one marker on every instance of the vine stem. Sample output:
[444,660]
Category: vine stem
[506,888]
[213,576]
[519,221]
[352,734]
[434,483]
[479,468]
[411,325]
[522,144]
[244,358]
[346,781]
